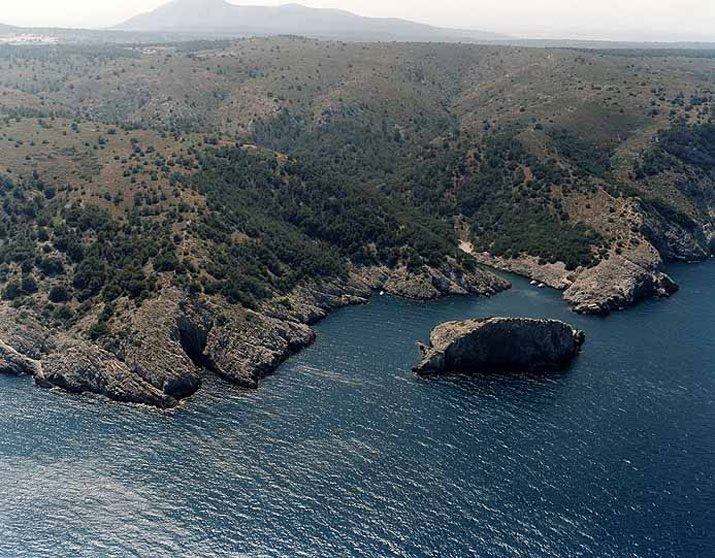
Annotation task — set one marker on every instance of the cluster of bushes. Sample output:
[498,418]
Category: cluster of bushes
[360,160]
[587,157]
[513,214]
[694,145]
[681,144]
[298,221]
[81,246]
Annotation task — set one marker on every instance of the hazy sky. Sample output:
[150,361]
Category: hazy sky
[591,19]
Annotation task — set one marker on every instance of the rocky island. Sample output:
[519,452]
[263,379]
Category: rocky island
[499,344]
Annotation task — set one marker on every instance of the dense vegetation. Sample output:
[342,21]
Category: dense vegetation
[242,168]
[272,224]
[510,213]
[686,153]
[509,201]
[681,144]
[587,157]
[694,145]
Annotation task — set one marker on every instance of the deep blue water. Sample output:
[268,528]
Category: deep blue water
[344,452]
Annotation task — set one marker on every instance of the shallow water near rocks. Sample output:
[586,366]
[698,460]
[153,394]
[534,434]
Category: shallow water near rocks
[344,452]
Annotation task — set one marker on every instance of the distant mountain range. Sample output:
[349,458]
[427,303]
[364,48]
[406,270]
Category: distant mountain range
[190,20]
[223,18]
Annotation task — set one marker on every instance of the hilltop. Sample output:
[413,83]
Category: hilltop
[174,209]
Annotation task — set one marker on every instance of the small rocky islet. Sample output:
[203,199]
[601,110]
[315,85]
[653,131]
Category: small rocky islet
[499,344]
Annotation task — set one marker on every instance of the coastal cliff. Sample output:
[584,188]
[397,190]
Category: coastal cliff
[616,283]
[157,353]
[489,344]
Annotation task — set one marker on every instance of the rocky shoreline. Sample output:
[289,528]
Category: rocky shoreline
[613,284]
[175,338]
[168,343]
[631,270]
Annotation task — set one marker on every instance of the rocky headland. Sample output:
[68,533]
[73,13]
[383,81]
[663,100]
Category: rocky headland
[641,238]
[498,344]
[163,348]
[612,284]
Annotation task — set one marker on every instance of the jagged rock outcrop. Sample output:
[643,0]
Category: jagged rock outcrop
[59,360]
[86,368]
[310,303]
[245,346]
[248,348]
[612,284]
[13,362]
[24,333]
[23,340]
[172,338]
[675,240]
[616,283]
[499,344]
[709,232]
[167,343]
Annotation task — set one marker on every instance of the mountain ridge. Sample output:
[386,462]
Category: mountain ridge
[222,17]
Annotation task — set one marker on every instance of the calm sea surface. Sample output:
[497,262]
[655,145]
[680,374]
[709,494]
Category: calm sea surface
[344,452]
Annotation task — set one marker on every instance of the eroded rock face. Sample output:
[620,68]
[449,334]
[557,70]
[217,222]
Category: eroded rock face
[616,283]
[499,344]
[307,304]
[612,284]
[23,340]
[168,337]
[86,368]
[61,360]
[13,362]
[428,283]
[677,241]
[24,334]
[245,350]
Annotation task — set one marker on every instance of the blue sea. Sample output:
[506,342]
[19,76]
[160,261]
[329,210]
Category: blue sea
[343,452]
